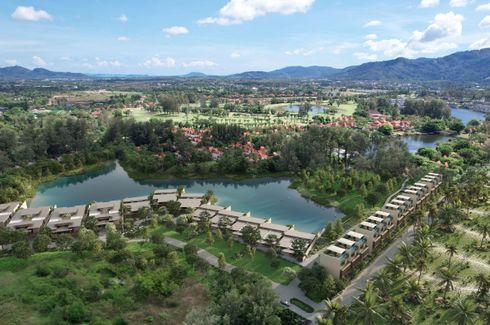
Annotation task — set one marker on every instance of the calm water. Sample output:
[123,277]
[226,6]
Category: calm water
[269,198]
[414,142]
[295,109]
[465,115]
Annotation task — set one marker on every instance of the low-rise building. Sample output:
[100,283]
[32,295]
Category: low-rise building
[289,236]
[395,210]
[232,217]
[208,209]
[162,197]
[30,220]
[6,211]
[66,220]
[190,200]
[106,213]
[244,221]
[134,204]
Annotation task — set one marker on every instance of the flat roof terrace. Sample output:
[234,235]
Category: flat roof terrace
[136,203]
[7,210]
[30,219]
[65,219]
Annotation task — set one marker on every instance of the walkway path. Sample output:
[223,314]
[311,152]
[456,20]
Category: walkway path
[354,288]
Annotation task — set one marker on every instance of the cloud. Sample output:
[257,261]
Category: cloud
[239,11]
[480,44]
[38,61]
[371,36]
[11,61]
[372,23]
[235,55]
[123,18]
[107,63]
[344,46]
[303,52]
[485,22]
[157,62]
[459,3]
[199,64]
[363,56]
[123,38]
[428,3]
[440,35]
[30,14]
[175,30]
[485,7]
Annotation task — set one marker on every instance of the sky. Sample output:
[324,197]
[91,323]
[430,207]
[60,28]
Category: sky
[172,37]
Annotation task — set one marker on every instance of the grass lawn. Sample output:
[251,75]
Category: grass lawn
[260,263]
[302,305]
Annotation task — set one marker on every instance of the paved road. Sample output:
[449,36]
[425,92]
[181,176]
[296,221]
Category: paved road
[354,288]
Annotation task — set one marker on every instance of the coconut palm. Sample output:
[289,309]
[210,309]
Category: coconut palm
[422,247]
[413,291]
[448,277]
[483,283]
[406,255]
[463,312]
[335,313]
[383,283]
[394,265]
[451,250]
[485,231]
[367,309]
[399,314]
[420,266]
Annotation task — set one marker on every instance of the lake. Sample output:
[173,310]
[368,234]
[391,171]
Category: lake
[466,115]
[414,142]
[295,109]
[268,198]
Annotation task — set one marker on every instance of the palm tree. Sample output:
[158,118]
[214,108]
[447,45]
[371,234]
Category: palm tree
[420,266]
[448,276]
[398,311]
[485,231]
[406,255]
[335,313]
[393,265]
[423,248]
[383,283]
[463,312]
[413,291]
[483,282]
[367,310]
[451,249]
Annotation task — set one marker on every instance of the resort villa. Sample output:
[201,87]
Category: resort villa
[190,200]
[134,204]
[342,254]
[162,197]
[29,220]
[6,211]
[106,213]
[66,220]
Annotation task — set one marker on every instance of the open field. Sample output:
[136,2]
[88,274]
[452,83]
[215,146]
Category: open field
[243,119]
[260,263]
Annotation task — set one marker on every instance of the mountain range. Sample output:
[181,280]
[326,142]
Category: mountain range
[468,66]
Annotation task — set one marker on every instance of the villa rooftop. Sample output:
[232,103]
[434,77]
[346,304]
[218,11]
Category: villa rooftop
[368,225]
[165,197]
[64,219]
[166,191]
[31,219]
[6,211]
[189,203]
[335,249]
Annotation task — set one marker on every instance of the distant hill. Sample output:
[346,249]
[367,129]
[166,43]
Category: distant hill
[469,66]
[17,72]
[297,72]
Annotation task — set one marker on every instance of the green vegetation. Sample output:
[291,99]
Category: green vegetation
[238,255]
[304,306]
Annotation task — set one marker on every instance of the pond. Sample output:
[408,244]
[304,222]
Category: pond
[466,115]
[295,109]
[414,142]
[267,197]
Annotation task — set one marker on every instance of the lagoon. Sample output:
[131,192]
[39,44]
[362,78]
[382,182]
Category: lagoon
[295,109]
[466,115]
[414,142]
[266,197]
